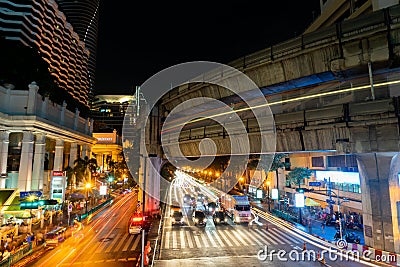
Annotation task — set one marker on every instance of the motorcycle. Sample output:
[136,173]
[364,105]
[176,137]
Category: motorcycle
[352,238]
[337,235]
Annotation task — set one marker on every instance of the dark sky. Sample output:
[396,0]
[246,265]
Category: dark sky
[136,40]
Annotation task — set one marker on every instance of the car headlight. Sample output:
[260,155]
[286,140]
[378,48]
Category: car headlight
[173,220]
[196,220]
[217,220]
[226,219]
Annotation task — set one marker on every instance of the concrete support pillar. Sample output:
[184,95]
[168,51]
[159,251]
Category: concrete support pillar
[85,151]
[73,154]
[380,199]
[99,159]
[4,142]
[38,162]
[76,119]
[114,156]
[91,126]
[87,126]
[25,167]
[44,107]
[151,181]
[62,115]
[58,157]
[31,106]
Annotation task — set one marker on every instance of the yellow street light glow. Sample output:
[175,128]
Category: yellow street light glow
[88,186]
[288,101]
[268,183]
[31,197]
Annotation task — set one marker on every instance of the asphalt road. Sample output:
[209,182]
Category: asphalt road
[103,241]
[233,244]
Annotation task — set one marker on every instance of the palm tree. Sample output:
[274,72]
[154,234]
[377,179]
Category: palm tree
[84,168]
[297,175]
[264,162]
[70,175]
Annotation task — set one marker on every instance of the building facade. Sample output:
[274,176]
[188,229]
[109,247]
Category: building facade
[37,137]
[41,25]
[84,17]
[108,111]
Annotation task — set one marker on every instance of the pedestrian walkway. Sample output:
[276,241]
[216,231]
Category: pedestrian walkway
[327,232]
[231,237]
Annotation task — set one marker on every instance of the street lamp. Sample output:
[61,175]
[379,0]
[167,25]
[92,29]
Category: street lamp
[269,206]
[110,179]
[87,186]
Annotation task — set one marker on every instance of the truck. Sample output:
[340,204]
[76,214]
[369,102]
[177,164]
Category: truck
[237,207]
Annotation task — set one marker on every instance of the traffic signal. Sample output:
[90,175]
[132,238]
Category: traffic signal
[302,190]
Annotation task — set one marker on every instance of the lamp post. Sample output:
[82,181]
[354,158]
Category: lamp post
[87,186]
[110,179]
[269,206]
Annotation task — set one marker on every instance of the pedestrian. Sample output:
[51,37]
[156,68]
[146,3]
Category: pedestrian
[266,227]
[323,227]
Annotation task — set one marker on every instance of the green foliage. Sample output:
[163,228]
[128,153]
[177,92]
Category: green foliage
[83,168]
[70,175]
[297,175]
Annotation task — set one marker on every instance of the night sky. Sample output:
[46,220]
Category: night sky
[137,40]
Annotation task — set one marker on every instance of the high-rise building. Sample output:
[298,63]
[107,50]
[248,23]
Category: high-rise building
[84,18]
[108,111]
[41,25]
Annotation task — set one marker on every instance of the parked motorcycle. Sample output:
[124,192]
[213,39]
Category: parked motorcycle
[352,238]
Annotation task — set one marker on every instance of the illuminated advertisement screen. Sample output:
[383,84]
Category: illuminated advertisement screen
[338,177]
[259,193]
[58,188]
[299,200]
[274,193]
[103,190]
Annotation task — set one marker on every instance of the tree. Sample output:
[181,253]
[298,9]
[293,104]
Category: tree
[84,168]
[70,176]
[264,163]
[297,175]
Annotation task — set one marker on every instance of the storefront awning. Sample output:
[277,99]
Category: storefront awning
[315,202]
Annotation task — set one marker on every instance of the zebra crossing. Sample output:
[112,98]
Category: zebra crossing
[233,237]
[123,242]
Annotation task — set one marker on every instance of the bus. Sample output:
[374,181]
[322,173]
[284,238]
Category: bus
[237,207]
[56,236]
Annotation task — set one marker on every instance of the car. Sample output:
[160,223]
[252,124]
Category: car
[186,198]
[212,207]
[177,218]
[220,217]
[174,208]
[200,197]
[139,223]
[199,217]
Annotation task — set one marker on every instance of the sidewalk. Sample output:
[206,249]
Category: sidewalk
[327,233]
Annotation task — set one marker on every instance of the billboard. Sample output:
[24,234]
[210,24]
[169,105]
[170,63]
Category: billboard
[57,189]
[299,200]
[259,193]
[103,190]
[274,193]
